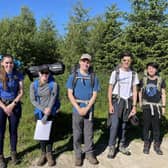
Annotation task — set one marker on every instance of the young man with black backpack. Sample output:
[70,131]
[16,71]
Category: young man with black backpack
[82,87]
[152,98]
[122,97]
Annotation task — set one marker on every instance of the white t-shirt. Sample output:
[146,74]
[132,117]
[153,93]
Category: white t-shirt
[125,81]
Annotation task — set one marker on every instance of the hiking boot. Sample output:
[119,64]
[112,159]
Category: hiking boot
[2,162]
[14,157]
[146,147]
[78,162]
[92,159]
[124,150]
[42,159]
[157,148]
[111,153]
[51,161]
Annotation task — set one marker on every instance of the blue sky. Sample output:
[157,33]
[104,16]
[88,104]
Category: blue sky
[58,10]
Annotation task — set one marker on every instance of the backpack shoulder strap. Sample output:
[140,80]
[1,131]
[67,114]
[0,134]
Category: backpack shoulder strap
[92,79]
[117,73]
[133,79]
[74,80]
[36,87]
[159,81]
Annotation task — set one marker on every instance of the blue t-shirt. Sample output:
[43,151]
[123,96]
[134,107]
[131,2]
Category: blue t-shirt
[83,89]
[12,86]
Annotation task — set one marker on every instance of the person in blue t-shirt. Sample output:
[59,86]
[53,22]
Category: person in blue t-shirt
[82,95]
[11,91]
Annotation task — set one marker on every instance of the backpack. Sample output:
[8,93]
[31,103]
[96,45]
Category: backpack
[55,69]
[74,71]
[57,103]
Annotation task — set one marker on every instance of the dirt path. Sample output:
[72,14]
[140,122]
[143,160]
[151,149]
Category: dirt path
[136,160]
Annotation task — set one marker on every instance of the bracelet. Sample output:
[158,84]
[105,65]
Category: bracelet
[134,105]
[163,106]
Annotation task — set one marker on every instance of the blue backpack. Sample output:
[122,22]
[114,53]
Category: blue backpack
[57,103]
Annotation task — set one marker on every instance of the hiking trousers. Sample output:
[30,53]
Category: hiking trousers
[13,127]
[82,128]
[151,123]
[118,126]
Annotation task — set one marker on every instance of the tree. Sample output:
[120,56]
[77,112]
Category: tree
[146,30]
[76,40]
[46,42]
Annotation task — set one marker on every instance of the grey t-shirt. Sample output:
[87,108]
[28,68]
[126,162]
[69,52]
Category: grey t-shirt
[47,97]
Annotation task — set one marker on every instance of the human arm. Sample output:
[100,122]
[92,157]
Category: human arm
[134,101]
[111,108]
[52,99]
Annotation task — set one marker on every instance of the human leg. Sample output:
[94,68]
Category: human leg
[156,132]
[88,141]
[77,124]
[147,120]
[3,118]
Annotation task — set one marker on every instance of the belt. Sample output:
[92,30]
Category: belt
[82,101]
[6,101]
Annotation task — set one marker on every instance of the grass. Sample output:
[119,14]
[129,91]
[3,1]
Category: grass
[28,148]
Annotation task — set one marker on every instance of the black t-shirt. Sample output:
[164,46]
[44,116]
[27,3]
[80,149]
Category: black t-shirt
[151,92]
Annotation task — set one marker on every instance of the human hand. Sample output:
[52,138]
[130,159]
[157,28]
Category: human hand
[133,112]
[111,109]
[47,111]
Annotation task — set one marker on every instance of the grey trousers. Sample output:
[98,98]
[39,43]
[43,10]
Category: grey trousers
[82,127]
[117,128]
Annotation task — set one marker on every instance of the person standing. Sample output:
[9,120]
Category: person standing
[152,98]
[122,98]
[11,92]
[82,88]
[43,92]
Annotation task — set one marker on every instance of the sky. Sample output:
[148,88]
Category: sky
[58,10]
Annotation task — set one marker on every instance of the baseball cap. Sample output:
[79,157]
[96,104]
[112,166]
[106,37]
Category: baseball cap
[86,56]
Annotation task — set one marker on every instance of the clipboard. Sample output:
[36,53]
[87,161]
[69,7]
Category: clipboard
[42,131]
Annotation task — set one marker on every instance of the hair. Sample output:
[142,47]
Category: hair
[126,54]
[3,77]
[152,64]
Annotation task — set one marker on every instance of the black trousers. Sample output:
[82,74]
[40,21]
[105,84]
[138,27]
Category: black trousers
[151,123]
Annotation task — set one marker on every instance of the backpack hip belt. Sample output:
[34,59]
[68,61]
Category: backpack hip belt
[151,104]
[86,102]
[82,101]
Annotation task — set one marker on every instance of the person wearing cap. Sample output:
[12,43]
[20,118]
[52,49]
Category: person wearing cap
[43,99]
[122,98]
[82,96]
[152,98]
[11,92]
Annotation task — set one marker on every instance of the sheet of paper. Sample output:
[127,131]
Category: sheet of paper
[42,131]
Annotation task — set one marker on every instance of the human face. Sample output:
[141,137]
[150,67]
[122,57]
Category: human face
[151,71]
[43,76]
[126,62]
[84,65]
[7,63]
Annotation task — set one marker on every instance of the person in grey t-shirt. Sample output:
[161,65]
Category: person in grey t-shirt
[43,92]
